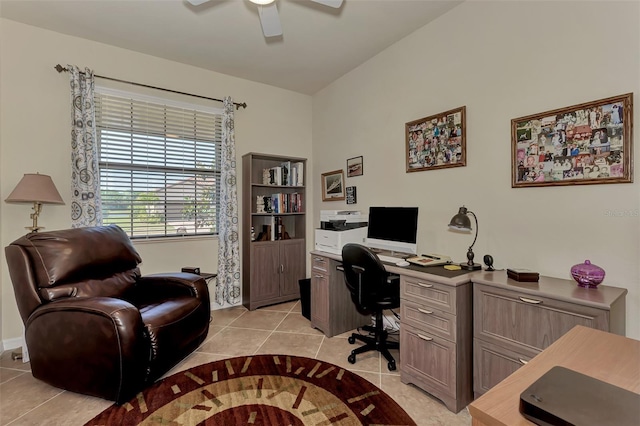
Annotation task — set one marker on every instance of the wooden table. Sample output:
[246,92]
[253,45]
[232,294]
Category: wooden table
[608,357]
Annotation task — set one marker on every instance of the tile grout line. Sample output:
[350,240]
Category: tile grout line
[272,331]
[34,408]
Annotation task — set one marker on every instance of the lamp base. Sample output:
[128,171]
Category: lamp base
[474,267]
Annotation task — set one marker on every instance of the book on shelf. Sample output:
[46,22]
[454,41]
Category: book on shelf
[299,172]
[286,173]
[277,175]
[272,227]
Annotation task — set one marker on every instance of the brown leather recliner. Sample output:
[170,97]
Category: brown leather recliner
[93,324]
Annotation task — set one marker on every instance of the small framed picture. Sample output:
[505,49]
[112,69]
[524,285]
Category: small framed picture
[354,166]
[333,186]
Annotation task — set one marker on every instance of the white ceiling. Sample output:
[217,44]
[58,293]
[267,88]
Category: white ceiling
[319,44]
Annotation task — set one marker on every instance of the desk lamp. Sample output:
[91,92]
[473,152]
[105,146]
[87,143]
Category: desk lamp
[461,222]
[37,189]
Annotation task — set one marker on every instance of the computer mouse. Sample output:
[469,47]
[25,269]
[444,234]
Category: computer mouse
[402,263]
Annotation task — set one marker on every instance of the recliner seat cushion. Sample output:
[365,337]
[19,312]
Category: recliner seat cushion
[173,327]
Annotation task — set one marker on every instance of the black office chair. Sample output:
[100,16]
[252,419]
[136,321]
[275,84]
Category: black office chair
[372,290]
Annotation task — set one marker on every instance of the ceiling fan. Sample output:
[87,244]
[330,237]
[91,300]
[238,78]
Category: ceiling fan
[268,11]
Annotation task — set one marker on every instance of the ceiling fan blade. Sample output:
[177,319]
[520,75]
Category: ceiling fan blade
[270,20]
[331,3]
[197,2]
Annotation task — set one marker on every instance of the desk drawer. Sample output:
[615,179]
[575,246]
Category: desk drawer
[492,364]
[428,319]
[429,358]
[523,322]
[432,294]
[320,263]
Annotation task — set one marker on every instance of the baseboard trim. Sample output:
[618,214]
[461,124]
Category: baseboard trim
[14,343]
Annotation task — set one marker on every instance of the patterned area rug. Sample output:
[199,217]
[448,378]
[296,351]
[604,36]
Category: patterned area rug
[259,390]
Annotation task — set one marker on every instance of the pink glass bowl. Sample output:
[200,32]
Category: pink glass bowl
[587,275]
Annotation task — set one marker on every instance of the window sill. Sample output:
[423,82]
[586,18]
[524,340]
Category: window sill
[164,240]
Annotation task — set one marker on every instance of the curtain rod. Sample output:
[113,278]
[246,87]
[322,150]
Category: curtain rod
[60,69]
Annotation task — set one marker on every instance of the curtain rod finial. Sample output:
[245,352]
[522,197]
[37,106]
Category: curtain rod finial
[243,105]
[60,68]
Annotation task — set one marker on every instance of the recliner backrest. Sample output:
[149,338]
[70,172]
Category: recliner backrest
[365,275]
[80,262]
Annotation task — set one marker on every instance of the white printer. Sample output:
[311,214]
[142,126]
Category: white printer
[340,227]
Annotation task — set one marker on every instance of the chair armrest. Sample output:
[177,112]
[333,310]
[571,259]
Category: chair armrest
[173,284]
[393,279]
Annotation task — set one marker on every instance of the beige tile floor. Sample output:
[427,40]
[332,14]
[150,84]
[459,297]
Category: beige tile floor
[233,332]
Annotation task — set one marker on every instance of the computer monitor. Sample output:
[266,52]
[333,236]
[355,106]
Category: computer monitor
[393,229]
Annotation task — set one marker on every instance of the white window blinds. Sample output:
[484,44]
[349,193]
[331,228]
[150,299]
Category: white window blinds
[159,166]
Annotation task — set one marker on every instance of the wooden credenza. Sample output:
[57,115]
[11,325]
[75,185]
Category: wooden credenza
[514,321]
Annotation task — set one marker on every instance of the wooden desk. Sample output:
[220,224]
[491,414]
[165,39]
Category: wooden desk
[436,333]
[608,357]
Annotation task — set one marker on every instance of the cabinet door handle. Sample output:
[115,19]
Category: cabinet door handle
[526,300]
[282,269]
[428,339]
[425,285]
[340,268]
[522,361]
[424,311]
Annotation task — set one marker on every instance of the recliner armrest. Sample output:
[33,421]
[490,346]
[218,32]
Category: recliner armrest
[173,284]
[93,345]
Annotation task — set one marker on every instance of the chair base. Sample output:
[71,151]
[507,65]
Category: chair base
[378,342]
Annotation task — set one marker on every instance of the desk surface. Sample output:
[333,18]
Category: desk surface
[608,357]
[433,273]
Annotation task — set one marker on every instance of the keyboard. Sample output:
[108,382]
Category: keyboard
[389,259]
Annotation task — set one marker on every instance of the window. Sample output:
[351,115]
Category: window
[159,165]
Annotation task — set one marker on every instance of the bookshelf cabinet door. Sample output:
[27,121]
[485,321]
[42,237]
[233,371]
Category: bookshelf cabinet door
[265,272]
[293,267]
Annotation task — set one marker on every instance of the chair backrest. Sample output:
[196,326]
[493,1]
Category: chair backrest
[79,262]
[365,277]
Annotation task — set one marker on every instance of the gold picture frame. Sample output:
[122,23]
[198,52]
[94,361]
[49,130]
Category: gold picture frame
[333,186]
[437,142]
[583,144]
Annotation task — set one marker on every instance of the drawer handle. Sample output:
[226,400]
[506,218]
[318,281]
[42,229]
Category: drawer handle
[424,311]
[317,276]
[428,339]
[340,268]
[425,285]
[522,361]
[534,301]
[319,259]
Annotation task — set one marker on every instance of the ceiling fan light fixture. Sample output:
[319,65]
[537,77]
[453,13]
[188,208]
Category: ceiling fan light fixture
[262,2]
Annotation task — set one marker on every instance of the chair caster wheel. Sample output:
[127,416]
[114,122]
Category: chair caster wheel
[391,366]
[351,339]
[351,359]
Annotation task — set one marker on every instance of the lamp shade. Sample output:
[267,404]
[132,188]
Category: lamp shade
[461,221]
[35,188]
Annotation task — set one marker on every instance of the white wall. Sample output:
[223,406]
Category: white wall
[502,60]
[34,135]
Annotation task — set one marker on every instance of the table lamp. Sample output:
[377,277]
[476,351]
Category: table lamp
[461,222]
[37,189]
